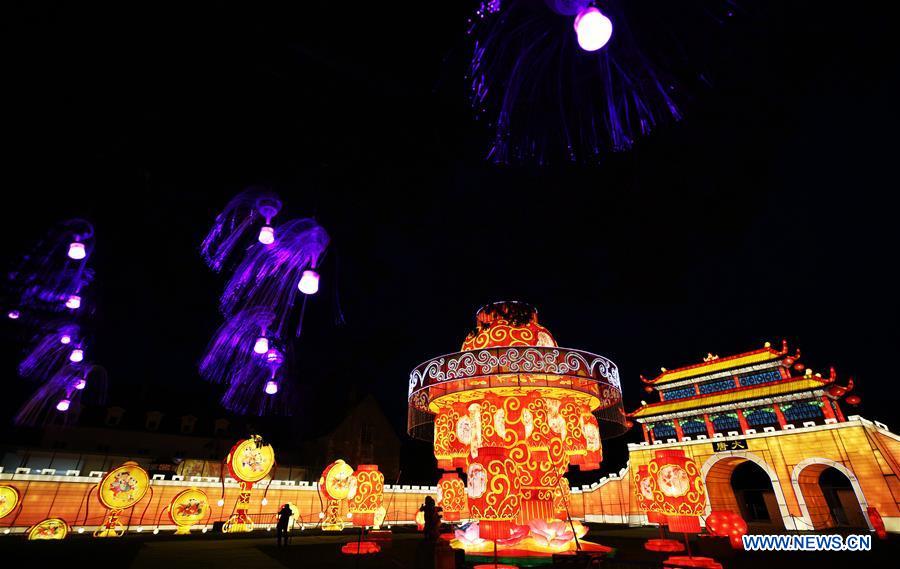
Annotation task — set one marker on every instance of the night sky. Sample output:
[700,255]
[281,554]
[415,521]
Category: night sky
[765,214]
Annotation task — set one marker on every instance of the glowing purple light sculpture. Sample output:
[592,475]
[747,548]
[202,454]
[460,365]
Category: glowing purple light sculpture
[259,300]
[73,302]
[592,28]
[65,339]
[261,345]
[63,405]
[76,251]
[266,235]
[545,100]
[309,282]
[234,223]
[13,314]
[76,356]
[80,383]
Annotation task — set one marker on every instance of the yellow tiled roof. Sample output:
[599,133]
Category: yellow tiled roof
[779,388]
[719,364]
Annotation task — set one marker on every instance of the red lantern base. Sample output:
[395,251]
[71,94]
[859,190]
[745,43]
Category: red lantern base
[360,548]
[682,561]
[664,545]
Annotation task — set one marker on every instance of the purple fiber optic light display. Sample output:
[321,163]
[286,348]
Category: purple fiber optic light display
[267,278]
[309,282]
[266,235]
[13,314]
[592,28]
[236,221]
[546,94]
[76,251]
[49,282]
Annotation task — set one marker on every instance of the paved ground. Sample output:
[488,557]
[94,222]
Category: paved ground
[200,551]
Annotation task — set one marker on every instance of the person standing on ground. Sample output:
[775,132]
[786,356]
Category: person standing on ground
[281,528]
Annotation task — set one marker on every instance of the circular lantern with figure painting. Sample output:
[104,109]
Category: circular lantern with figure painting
[188,507]
[9,499]
[677,488]
[451,496]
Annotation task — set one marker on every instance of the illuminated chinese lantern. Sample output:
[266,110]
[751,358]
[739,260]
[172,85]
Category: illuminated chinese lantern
[493,491]
[451,496]
[515,411]
[727,524]
[188,507]
[561,499]
[336,484]
[677,489]
[121,488]
[643,491]
[369,495]
[249,461]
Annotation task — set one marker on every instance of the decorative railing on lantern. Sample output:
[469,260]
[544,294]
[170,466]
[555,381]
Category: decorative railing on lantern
[530,367]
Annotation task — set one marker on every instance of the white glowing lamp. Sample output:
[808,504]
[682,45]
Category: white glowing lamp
[309,282]
[265,502]
[267,235]
[261,346]
[592,28]
[73,302]
[76,250]
[13,314]
[65,339]
[321,515]
[76,356]
[271,387]
[63,405]
[220,503]
[80,384]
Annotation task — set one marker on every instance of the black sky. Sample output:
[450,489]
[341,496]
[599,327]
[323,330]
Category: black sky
[767,213]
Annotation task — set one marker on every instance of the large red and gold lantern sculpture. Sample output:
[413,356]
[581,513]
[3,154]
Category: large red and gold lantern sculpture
[366,505]
[514,411]
[336,484]
[249,461]
[120,489]
[451,496]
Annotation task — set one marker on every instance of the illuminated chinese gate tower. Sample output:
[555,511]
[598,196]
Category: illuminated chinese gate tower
[514,410]
[732,395]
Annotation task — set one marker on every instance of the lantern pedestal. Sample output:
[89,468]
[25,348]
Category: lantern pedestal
[676,562]
[111,526]
[664,545]
[240,521]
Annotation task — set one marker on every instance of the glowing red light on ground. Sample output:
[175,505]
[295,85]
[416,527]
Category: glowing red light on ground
[360,548]
[664,545]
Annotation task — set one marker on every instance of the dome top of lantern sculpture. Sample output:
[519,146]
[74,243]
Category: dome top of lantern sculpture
[509,353]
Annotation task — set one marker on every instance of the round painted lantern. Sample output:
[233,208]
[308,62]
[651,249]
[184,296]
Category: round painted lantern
[188,507]
[677,489]
[337,481]
[124,486]
[9,499]
[451,496]
[250,461]
[514,410]
[369,495]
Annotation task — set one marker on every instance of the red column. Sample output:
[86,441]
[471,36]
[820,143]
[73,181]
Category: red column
[678,432]
[646,434]
[779,415]
[737,382]
[827,410]
[742,421]
[839,413]
[710,430]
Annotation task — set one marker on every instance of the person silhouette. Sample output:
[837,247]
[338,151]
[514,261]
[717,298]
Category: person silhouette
[281,528]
